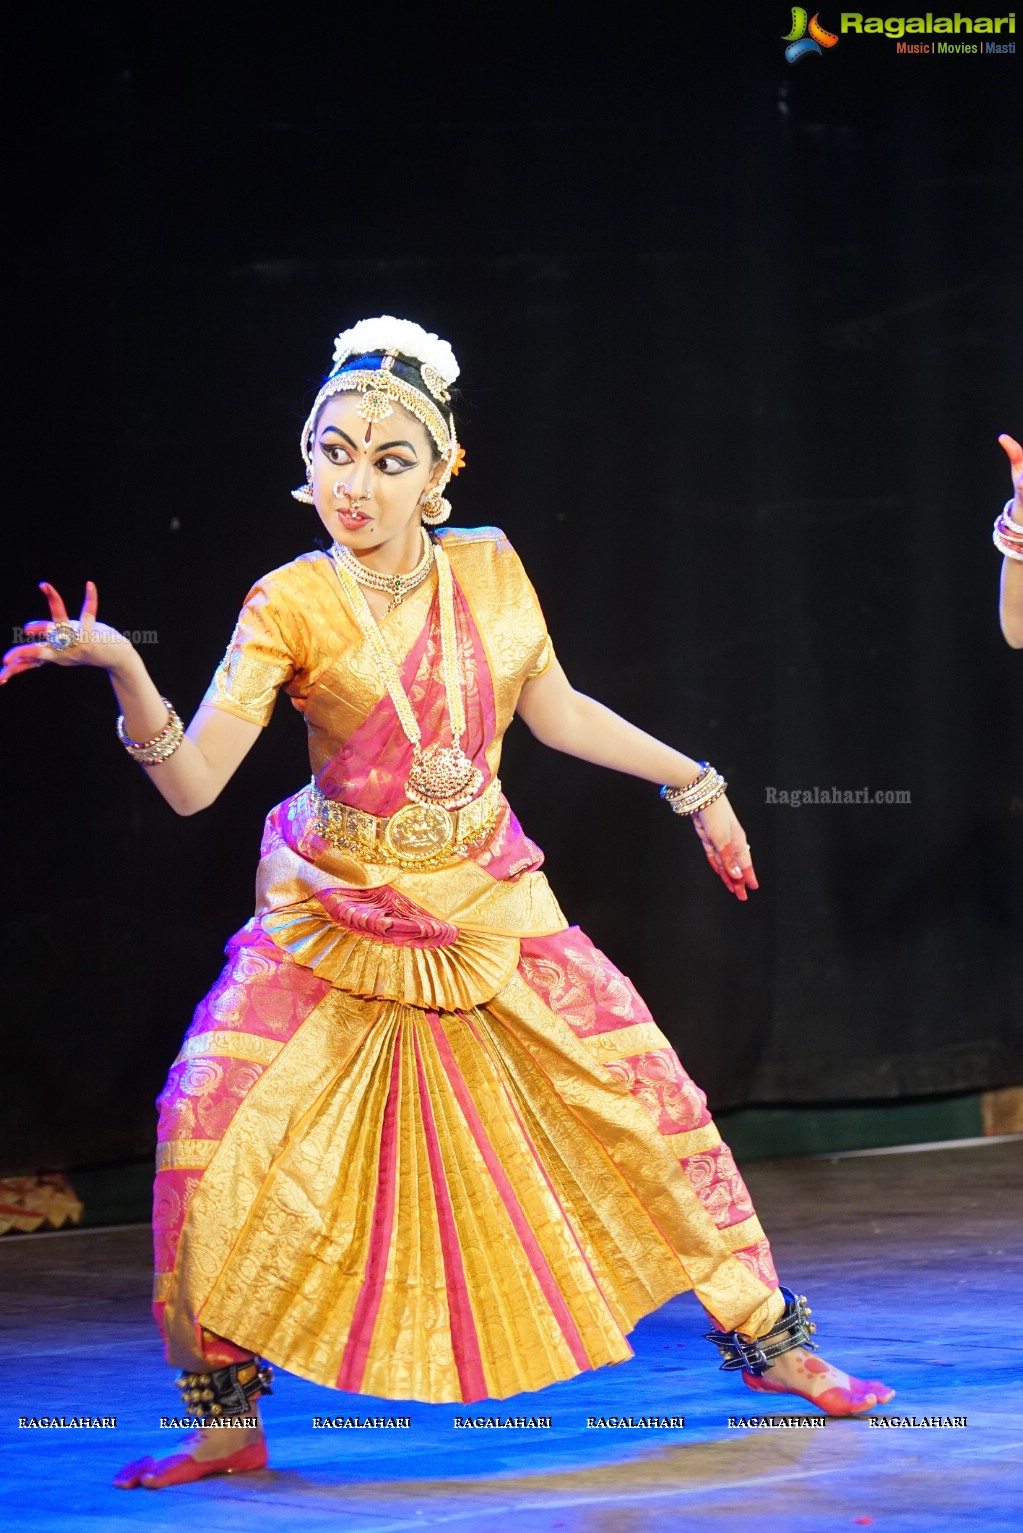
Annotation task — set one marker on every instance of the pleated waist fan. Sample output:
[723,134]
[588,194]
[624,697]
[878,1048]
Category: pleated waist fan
[417,836]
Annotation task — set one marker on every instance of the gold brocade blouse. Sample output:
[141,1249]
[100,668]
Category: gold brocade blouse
[296,632]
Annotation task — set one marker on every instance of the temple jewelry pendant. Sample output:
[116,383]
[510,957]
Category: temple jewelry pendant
[375,405]
[443,775]
[419,831]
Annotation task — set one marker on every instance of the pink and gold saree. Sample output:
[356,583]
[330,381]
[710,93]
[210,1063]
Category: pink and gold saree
[422,1140]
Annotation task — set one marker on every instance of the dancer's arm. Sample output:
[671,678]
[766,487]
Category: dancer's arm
[1010,606]
[569,721]
[215,743]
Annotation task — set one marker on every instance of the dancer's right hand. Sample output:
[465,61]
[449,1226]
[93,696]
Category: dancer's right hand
[96,644]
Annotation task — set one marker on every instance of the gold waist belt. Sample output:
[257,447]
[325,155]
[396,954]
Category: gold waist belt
[416,837]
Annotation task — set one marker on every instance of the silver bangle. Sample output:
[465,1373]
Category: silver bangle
[698,795]
[1005,550]
[1007,544]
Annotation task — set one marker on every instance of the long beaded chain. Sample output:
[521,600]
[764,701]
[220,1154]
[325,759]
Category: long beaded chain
[397,587]
[441,775]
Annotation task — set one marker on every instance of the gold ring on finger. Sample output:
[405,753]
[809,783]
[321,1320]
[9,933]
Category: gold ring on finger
[61,636]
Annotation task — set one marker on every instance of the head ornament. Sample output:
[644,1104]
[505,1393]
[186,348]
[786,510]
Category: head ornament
[358,370]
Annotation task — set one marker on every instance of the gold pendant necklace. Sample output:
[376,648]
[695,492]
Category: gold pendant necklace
[442,777]
[397,587]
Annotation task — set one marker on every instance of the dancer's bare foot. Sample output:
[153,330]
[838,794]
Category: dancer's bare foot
[800,1372]
[206,1451]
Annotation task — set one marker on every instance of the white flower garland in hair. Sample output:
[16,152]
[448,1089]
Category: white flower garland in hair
[389,334]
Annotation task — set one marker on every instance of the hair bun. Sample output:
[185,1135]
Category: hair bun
[386,333]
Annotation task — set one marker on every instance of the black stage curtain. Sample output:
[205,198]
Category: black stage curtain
[737,337]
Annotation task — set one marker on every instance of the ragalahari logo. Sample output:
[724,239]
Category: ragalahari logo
[799,44]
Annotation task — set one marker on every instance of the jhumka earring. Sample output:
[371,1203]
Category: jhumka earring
[304,493]
[435,508]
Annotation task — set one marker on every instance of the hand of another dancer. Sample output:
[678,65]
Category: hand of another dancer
[95,644]
[727,849]
[1014,452]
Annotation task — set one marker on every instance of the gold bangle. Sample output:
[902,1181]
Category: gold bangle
[161,746]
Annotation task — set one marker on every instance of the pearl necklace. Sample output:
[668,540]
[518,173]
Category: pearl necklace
[397,587]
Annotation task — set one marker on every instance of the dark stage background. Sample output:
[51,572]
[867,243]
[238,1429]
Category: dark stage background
[737,338]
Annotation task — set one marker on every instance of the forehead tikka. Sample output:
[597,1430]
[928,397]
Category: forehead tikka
[381,389]
[382,406]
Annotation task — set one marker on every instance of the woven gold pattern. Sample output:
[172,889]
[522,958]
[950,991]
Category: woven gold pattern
[185,1154]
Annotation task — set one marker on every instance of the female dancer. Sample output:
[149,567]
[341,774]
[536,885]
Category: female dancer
[1008,536]
[422,1140]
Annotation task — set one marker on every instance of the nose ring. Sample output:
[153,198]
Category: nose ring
[342,490]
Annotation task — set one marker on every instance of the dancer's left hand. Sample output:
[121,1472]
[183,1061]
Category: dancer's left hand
[727,849]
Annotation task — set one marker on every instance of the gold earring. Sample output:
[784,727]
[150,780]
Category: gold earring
[435,508]
[305,492]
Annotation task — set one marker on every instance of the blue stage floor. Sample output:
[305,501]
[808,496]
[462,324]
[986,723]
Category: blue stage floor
[912,1262]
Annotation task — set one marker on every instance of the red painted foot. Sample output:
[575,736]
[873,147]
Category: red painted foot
[181,1468]
[861,1396]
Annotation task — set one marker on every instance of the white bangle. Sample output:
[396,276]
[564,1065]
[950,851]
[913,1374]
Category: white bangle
[1005,548]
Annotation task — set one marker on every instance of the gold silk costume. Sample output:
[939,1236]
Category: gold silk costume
[423,1140]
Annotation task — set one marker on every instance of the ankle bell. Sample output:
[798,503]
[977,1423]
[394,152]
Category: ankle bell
[794,1329]
[225,1391]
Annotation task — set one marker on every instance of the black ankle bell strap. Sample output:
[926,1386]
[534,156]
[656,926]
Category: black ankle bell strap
[794,1329]
[225,1391]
